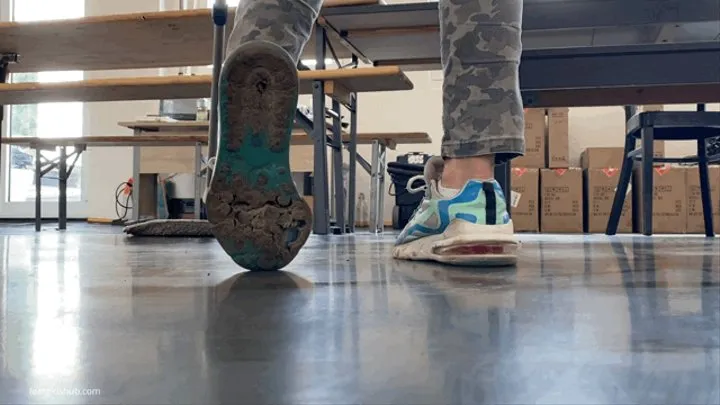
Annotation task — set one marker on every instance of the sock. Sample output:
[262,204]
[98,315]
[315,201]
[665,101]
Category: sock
[452,192]
[447,192]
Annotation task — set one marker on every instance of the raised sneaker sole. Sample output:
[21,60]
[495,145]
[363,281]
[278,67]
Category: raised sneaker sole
[465,244]
[258,216]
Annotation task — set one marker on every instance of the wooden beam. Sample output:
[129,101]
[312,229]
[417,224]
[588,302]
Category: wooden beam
[298,138]
[372,79]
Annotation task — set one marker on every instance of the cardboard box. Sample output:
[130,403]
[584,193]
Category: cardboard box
[600,186]
[669,199]
[602,158]
[524,199]
[534,140]
[695,216]
[558,148]
[562,200]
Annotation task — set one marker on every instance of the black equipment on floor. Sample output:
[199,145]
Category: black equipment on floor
[406,167]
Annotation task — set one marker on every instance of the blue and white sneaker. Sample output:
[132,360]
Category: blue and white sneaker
[470,228]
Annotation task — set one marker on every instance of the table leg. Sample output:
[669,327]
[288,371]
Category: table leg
[321,217]
[377,188]
[219,16]
[136,180]
[339,181]
[3,79]
[353,163]
[62,189]
[38,188]
[198,179]
[380,225]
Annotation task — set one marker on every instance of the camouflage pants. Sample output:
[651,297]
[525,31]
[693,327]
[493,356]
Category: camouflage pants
[482,109]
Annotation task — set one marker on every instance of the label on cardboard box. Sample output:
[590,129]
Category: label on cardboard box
[524,199]
[695,213]
[558,137]
[601,186]
[562,200]
[669,199]
[514,199]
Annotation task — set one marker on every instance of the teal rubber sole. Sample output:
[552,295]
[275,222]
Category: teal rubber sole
[258,216]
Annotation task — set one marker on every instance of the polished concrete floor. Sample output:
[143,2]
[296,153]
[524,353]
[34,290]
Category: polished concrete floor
[91,316]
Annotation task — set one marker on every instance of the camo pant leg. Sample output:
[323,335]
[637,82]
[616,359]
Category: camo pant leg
[482,108]
[287,23]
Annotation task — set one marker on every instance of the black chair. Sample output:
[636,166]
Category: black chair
[697,125]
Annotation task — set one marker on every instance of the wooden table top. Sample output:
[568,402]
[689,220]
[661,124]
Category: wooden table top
[125,41]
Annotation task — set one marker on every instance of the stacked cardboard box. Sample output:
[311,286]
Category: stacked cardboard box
[543,177]
[695,215]
[669,198]
[601,173]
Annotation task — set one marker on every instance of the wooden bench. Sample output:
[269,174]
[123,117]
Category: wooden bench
[179,136]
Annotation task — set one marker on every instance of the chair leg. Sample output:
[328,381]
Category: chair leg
[705,187]
[647,180]
[622,188]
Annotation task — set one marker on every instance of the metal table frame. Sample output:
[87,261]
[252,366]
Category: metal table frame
[44,166]
[562,77]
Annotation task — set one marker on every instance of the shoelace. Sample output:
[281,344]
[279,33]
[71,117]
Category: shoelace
[414,190]
[211,163]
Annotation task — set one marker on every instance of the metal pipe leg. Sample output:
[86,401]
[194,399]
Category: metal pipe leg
[377,187]
[62,188]
[219,16]
[705,193]
[647,180]
[352,176]
[321,217]
[380,225]
[38,190]
[136,180]
[198,179]
[339,181]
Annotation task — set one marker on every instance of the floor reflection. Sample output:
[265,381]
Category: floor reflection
[579,320]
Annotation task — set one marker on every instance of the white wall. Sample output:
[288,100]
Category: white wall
[106,168]
[416,110]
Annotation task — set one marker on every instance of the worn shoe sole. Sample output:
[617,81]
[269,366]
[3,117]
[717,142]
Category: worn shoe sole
[465,244]
[258,217]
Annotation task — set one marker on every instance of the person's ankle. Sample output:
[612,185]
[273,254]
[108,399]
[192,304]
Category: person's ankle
[458,171]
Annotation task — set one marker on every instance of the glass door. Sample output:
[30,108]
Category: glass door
[48,120]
